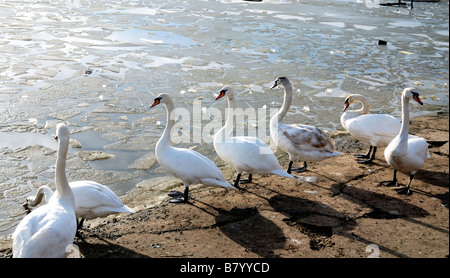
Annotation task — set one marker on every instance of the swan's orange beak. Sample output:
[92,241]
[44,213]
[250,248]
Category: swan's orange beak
[221,94]
[416,98]
[346,104]
[156,101]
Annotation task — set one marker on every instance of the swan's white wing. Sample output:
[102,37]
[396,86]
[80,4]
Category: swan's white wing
[418,147]
[249,154]
[192,167]
[94,200]
[374,129]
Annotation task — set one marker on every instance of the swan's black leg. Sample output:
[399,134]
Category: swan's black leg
[367,155]
[393,182]
[80,223]
[236,182]
[297,169]
[405,190]
[289,170]
[372,157]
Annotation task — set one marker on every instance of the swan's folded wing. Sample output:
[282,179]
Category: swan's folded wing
[89,194]
[188,164]
[369,126]
[306,137]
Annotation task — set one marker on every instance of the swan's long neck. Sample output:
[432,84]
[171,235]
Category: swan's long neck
[62,185]
[227,129]
[404,130]
[365,107]
[164,141]
[43,191]
[349,114]
[286,102]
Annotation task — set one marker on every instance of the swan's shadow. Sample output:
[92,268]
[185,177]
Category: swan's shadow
[107,250]
[248,228]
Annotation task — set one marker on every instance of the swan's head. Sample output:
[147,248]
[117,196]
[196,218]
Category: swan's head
[352,99]
[410,93]
[281,81]
[62,132]
[161,98]
[225,91]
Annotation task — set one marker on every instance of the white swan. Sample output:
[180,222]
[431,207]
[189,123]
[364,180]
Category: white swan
[245,154]
[406,153]
[377,130]
[50,229]
[92,200]
[301,142]
[188,165]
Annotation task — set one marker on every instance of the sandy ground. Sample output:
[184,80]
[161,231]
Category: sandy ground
[336,210]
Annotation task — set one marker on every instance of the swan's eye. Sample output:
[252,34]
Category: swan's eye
[56,137]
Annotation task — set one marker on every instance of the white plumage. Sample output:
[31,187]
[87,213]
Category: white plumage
[48,231]
[406,153]
[244,154]
[301,142]
[377,130]
[92,200]
[188,165]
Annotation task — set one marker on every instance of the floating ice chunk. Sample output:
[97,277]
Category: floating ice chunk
[94,155]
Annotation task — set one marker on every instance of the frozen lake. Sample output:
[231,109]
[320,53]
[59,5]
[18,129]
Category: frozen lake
[98,65]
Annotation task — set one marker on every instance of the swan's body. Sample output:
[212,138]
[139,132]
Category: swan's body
[188,165]
[244,154]
[377,130]
[92,200]
[301,142]
[49,230]
[406,153]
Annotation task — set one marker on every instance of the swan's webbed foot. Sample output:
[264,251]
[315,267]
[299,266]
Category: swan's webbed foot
[178,197]
[367,157]
[242,181]
[175,194]
[361,155]
[389,183]
[392,182]
[404,191]
[177,200]
[365,161]
[296,169]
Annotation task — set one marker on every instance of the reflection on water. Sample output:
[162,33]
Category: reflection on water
[98,65]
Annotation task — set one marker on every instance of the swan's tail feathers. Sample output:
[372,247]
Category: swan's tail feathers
[127,209]
[283,173]
[214,182]
[335,154]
